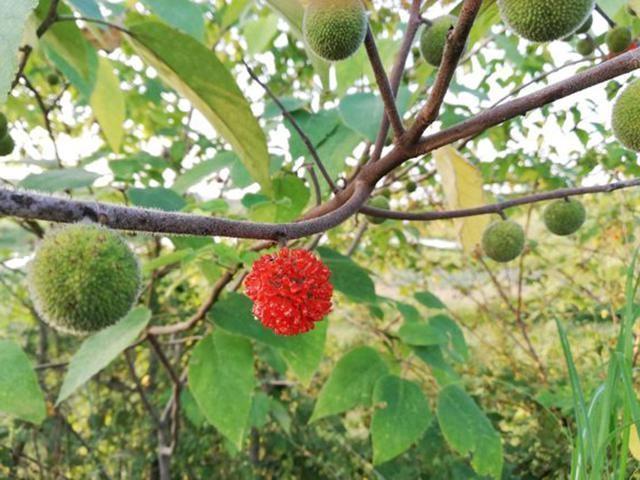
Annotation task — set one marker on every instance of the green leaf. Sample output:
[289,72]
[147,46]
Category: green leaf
[158,197]
[59,180]
[221,380]
[350,384]
[421,334]
[68,42]
[195,72]
[440,369]
[12,25]
[400,419]
[352,108]
[456,344]
[107,103]
[429,300]
[259,33]
[302,353]
[181,14]
[20,394]
[348,277]
[468,431]
[101,348]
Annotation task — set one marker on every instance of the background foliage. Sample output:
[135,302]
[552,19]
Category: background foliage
[433,364]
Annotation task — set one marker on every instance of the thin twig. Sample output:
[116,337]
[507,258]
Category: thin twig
[294,123]
[388,97]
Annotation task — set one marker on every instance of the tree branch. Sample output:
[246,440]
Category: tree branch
[603,72]
[397,71]
[388,97]
[42,207]
[454,49]
[498,208]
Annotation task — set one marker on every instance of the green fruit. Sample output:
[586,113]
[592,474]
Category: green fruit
[626,117]
[564,217]
[83,278]
[619,39]
[434,39]
[53,79]
[6,145]
[545,20]
[378,202]
[503,241]
[334,29]
[586,46]
[4,125]
[586,26]
[412,187]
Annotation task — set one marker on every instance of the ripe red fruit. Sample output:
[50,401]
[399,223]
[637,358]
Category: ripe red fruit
[290,290]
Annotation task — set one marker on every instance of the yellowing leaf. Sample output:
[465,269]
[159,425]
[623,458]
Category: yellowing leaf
[108,104]
[462,184]
[197,74]
[634,443]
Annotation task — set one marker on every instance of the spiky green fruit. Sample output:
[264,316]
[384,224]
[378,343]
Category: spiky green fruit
[434,39]
[4,125]
[378,202]
[334,29]
[564,217]
[619,39]
[83,278]
[6,145]
[545,20]
[626,117]
[586,46]
[503,241]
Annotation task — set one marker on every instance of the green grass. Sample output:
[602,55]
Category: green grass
[604,420]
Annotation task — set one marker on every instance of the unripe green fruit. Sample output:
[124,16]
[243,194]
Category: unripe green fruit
[586,46]
[586,26]
[434,39]
[334,29]
[626,117]
[6,145]
[378,202]
[545,20]
[83,278]
[412,187]
[53,79]
[503,241]
[4,126]
[564,217]
[619,39]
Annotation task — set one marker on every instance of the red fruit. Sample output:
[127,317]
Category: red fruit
[290,290]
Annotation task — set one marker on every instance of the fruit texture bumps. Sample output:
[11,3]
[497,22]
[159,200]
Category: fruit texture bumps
[334,29]
[626,117]
[83,278]
[434,39]
[545,20]
[564,217]
[503,241]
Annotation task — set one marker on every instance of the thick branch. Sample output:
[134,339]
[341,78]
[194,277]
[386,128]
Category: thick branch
[608,70]
[41,207]
[453,51]
[502,206]
[388,97]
